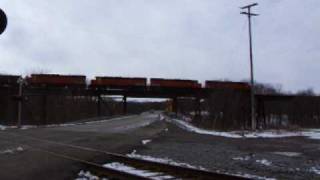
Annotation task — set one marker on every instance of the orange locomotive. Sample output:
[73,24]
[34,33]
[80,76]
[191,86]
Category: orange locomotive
[119,82]
[56,80]
[174,83]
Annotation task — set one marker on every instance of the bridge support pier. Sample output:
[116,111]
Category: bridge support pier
[124,104]
[198,107]
[44,109]
[261,116]
[175,105]
[99,105]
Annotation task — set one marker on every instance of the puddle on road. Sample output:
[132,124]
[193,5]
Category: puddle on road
[289,154]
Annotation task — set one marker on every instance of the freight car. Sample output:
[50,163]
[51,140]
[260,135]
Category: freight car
[157,83]
[119,82]
[227,85]
[56,80]
[9,80]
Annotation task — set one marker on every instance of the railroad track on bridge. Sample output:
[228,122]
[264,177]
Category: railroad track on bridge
[153,170]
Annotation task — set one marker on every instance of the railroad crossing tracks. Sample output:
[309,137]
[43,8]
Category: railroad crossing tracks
[156,170]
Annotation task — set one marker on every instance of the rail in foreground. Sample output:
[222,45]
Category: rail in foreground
[157,170]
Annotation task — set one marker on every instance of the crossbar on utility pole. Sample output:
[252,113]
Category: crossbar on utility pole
[249,14]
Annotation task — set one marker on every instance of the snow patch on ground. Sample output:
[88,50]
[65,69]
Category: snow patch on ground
[12,151]
[189,127]
[144,173]
[170,161]
[250,176]
[87,175]
[315,170]
[2,128]
[146,141]
[289,154]
[27,127]
[271,134]
[311,133]
[162,117]
[162,160]
[264,162]
[246,158]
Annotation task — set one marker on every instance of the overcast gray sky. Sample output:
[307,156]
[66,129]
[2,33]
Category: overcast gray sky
[189,39]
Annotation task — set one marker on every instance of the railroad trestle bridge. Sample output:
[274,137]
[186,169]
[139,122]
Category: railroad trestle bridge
[15,90]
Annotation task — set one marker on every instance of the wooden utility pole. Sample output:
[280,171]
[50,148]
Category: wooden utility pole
[249,14]
[20,98]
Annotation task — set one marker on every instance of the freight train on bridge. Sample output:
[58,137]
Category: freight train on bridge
[106,82]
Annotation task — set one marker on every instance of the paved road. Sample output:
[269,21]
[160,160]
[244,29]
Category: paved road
[116,125]
[18,160]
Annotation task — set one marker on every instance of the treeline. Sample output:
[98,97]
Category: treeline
[280,109]
[222,109]
[275,108]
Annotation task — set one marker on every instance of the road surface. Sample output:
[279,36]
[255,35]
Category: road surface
[18,160]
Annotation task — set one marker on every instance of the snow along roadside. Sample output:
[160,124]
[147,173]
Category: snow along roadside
[172,162]
[140,172]
[133,154]
[310,133]
[12,150]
